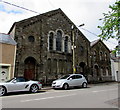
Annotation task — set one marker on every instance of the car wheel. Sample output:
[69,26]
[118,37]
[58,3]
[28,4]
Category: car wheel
[2,91]
[65,86]
[34,88]
[84,85]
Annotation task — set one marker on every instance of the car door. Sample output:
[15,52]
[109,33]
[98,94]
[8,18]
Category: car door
[72,81]
[17,84]
[79,80]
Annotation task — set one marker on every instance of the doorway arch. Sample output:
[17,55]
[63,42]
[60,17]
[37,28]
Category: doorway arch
[29,70]
[96,70]
[82,67]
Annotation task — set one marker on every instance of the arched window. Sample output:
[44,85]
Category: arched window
[105,56]
[107,72]
[66,44]
[59,41]
[100,55]
[51,35]
[94,55]
[31,39]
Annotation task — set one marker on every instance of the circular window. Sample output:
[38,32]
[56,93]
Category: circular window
[31,39]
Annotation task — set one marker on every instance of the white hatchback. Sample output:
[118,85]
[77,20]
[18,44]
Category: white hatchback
[70,80]
[19,84]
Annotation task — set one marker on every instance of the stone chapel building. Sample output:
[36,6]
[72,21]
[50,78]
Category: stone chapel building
[44,47]
[100,61]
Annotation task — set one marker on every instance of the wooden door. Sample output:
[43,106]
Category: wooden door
[29,71]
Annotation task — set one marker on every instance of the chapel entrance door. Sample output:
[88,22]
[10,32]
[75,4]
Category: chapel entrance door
[29,71]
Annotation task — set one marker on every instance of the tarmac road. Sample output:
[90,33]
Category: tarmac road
[100,96]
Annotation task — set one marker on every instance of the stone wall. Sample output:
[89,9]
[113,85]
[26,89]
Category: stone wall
[32,35]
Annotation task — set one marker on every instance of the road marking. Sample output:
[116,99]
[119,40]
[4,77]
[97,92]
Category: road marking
[104,90]
[32,94]
[22,95]
[47,98]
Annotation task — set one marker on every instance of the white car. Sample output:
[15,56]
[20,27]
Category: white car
[19,84]
[70,80]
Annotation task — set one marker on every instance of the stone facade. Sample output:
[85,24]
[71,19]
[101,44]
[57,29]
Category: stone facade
[44,47]
[100,62]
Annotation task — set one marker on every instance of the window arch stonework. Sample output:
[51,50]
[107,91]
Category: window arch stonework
[105,56]
[66,44]
[51,40]
[51,36]
[94,55]
[101,55]
[59,40]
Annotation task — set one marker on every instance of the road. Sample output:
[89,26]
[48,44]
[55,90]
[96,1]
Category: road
[100,96]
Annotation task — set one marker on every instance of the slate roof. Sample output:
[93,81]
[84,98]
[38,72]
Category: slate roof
[93,43]
[7,39]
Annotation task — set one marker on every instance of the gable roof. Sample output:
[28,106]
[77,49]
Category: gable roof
[7,39]
[43,16]
[95,42]
[35,18]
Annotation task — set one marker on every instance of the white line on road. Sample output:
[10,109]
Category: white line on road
[47,98]
[48,92]
[105,90]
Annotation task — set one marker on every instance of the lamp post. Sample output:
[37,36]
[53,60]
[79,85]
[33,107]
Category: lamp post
[73,48]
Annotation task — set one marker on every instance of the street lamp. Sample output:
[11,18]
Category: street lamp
[73,47]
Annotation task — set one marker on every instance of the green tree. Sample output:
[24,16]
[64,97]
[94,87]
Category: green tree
[111,23]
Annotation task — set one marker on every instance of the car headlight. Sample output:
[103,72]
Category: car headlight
[54,83]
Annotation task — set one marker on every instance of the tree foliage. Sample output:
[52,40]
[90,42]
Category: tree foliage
[111,23]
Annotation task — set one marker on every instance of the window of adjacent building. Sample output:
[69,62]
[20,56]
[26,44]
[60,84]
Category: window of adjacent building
[102,71]
[66,44]
[94,55]
[59,41]
[107,72]
[31,39]
[105,56]
[100,55]
[51,41]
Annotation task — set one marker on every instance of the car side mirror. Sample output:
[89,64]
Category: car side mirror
[70,79]
[14,81]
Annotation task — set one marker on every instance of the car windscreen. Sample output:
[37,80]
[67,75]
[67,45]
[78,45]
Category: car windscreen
[64,77]
[10,80]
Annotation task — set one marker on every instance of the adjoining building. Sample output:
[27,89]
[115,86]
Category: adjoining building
[7,57]
[100,62]
[115,65]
